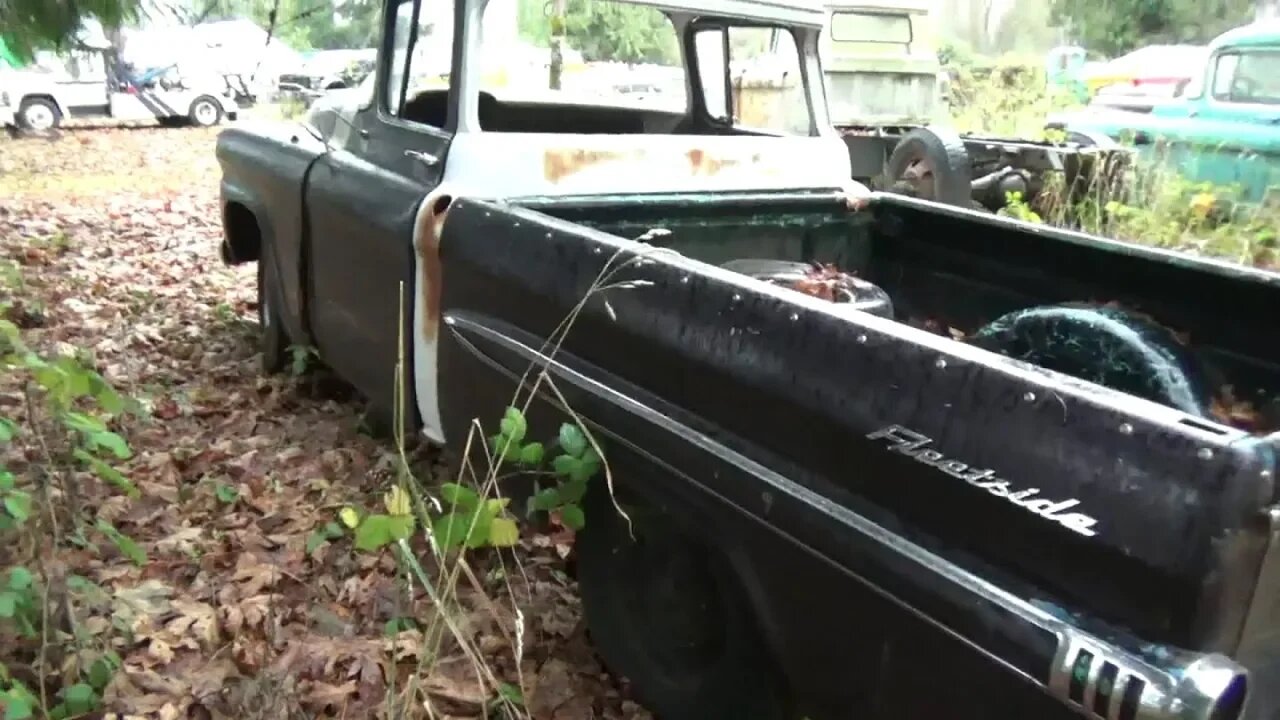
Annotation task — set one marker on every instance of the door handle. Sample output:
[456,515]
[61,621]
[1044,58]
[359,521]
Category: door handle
[425,158]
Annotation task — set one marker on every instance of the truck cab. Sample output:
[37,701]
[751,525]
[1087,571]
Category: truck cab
[881,63]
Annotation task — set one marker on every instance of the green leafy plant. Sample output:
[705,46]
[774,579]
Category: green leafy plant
[72,425]
[468,520]
[301,358]
[20,600]
[328,532]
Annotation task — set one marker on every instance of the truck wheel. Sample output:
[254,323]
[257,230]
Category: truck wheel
[205,112]
[931,163]
[274,342]
[665,612]
[38,115]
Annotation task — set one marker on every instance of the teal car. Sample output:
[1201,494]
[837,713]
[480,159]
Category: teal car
[1223,128]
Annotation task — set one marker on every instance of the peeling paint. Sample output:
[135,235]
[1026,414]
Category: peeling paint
[559,163]
[702,163]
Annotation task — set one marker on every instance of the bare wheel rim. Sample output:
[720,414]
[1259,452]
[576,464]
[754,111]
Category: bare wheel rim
[206,113]
[38,117]
[920,175]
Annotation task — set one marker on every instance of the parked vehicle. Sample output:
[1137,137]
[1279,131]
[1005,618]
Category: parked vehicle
[883,81]
[1065,67]
[1225,126]
[881,457]
[327,70]
[1150,66]
[87,81]
[880,62]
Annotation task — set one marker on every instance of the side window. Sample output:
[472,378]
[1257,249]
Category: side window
[1248,77]
[1224,72]
[766,89]
[420,48]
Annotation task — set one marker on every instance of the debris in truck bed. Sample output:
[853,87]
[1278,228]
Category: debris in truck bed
[821,280]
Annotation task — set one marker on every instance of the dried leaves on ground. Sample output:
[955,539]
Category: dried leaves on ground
[247,605]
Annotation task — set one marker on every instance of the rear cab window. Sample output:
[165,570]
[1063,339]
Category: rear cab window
[764,89]
[611,54]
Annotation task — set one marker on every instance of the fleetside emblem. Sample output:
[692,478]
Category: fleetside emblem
[913,445]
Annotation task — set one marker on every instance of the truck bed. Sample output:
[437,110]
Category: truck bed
[890,416]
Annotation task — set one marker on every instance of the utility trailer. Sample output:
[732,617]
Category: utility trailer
[882,457]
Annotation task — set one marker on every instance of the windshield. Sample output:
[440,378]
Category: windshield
[874,27]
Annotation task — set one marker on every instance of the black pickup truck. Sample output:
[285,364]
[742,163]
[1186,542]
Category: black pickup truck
[883,457]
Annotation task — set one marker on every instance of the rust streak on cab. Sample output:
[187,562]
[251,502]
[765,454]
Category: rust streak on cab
[702,162]
[560,163]
[426,241]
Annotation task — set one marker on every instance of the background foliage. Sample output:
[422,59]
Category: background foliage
[603,30]
[1115,27]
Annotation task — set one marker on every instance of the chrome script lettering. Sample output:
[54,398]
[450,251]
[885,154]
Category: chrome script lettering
[914,445]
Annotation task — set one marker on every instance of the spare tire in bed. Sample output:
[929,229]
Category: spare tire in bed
[1105,345]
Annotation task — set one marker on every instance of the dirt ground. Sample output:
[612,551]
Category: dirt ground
[239,608]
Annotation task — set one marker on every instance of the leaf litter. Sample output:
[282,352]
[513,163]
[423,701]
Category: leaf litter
[251,602]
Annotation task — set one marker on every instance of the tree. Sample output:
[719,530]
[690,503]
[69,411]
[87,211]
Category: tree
[1118,26]
[305,24]
[603,30]
[30,25]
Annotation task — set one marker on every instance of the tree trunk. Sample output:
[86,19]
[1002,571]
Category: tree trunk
[557,44]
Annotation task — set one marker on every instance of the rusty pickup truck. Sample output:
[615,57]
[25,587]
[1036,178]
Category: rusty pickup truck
[885,457]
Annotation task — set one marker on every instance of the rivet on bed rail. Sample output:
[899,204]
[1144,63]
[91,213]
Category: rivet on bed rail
[862,339]
[1029,397]
[1126,429]
[940,363]
[1205,454]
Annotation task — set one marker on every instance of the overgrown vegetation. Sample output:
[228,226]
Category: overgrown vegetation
[1144,201]
[1118,26]
[61,439]
[268,559]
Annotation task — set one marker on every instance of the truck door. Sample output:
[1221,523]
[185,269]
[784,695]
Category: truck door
[1238,118]
[361,203]
[84,87]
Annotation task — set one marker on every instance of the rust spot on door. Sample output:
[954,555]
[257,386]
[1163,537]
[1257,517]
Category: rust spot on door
[558,164]
[702,162]
[426,240]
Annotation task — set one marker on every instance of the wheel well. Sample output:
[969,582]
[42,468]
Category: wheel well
[243,241]
[48,98]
